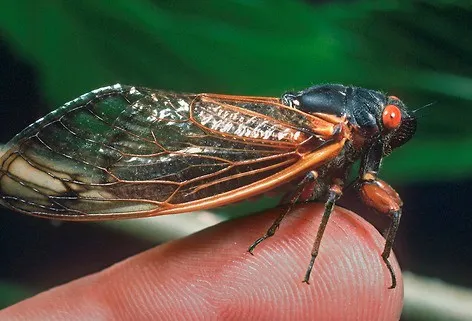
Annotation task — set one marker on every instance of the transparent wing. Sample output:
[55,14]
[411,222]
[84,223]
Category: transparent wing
[123,151]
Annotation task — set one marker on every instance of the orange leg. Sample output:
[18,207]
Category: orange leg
[383,198]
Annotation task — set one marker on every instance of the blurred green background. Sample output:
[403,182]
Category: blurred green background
[420,51]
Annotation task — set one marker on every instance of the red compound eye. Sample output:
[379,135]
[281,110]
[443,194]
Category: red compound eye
[391,117]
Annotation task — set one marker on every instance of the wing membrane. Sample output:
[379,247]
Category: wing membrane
[122,151]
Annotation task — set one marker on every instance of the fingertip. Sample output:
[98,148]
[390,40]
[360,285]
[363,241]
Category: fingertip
[211,275]
[349,278]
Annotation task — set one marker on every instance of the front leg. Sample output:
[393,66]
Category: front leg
[383,198]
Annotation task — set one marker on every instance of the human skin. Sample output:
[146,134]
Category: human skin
[211,276]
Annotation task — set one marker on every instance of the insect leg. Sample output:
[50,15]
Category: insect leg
[383,198]
[335,192]
[290,199]
[392,232]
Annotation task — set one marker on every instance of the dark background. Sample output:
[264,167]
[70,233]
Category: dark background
[420,51]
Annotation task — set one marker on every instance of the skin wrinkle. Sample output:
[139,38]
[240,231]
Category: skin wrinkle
[164,293]
[214,298]
[363,232]
[356,249]
[359,279]
[135,300]
[368,278]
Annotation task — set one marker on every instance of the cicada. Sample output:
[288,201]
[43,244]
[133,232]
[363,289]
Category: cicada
[126,152]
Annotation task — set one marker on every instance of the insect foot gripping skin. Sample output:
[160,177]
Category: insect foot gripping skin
[125,152]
